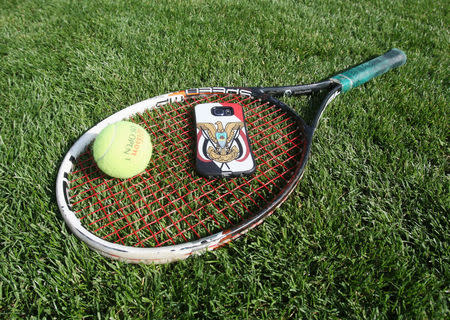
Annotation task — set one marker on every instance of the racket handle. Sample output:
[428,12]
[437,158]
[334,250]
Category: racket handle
[364,72]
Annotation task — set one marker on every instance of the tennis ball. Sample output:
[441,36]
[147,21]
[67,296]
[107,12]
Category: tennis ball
[122,150]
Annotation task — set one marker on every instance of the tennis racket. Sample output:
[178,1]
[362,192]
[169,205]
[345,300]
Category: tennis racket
[169,212]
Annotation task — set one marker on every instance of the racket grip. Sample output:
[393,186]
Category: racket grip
[364,72]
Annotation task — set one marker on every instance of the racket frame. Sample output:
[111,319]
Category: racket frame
[337,84]
[166,254]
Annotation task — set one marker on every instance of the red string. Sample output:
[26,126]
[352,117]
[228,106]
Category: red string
[169,203]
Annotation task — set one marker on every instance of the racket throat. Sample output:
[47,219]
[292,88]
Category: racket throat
[331,95]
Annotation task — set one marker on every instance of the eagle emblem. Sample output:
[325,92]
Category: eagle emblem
[221,144]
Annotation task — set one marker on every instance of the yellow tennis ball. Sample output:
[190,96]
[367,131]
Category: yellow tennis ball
[122,150]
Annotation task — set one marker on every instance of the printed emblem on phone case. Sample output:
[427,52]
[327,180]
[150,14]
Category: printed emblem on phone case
[224,143]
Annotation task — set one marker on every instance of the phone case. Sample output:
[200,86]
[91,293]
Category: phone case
[223,148]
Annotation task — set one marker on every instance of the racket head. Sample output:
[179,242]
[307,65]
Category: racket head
[168,212]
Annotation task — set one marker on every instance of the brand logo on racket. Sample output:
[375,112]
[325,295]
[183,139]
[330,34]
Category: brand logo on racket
[242,92]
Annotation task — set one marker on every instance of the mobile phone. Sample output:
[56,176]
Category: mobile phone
[223,146]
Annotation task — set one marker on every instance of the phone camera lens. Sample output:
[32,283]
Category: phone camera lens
[222,111]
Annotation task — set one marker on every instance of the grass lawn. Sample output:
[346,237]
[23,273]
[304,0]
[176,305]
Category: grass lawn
[364,236]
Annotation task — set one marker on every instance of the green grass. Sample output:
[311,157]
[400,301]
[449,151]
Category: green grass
[366,233]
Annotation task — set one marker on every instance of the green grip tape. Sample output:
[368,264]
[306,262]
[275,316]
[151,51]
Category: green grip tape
[364,72]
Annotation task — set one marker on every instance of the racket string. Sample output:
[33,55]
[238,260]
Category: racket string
[169,203]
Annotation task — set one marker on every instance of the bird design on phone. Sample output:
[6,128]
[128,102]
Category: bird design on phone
[223,144]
